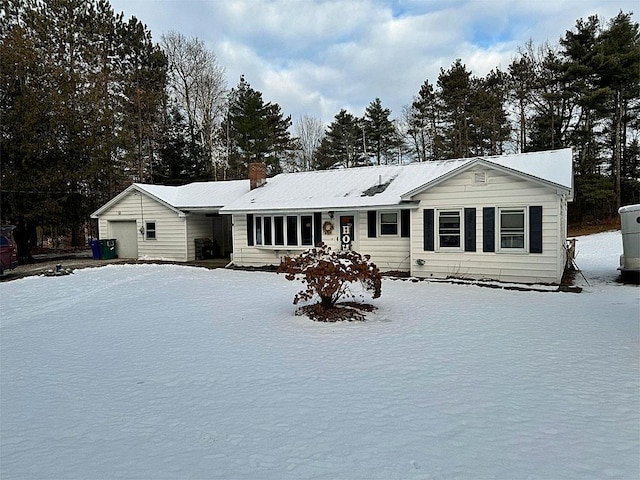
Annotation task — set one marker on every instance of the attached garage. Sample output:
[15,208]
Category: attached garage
[158,222]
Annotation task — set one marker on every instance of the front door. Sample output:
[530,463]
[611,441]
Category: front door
[347,232]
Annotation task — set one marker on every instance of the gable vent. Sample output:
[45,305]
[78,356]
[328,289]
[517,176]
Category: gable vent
[480,178]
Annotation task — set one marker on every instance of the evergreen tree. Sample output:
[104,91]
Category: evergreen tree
[423,121]
[553,102]
[600,73]
[522,79]
[488,124]
[255,132]
[617,65]
[76,116]
[342,145]
[578,49]
[455,97]
[144,91]
[180,159]
[281,145]
[381,139]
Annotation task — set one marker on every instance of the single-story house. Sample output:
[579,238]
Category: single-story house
[497,217]
[158,222]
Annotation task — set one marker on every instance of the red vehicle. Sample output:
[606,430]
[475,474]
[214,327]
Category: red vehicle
[8,252]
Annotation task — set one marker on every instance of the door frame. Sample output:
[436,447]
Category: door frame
[354,230]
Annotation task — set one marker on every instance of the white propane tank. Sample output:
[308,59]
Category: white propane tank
[630,227]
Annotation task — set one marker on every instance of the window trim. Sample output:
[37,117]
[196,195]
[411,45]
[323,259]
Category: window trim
[436,221]
[259,222]
[525,230]
[147,230]
[397,223]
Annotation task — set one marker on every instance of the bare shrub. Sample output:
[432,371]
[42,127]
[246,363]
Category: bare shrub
[328,274]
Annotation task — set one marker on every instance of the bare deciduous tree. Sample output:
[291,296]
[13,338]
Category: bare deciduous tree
[197,84]
[309,132]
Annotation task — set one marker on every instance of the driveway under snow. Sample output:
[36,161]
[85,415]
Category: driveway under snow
[153,372]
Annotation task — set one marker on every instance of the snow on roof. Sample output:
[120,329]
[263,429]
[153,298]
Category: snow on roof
[344,188]
[555,166]
[386,185]
[198,194]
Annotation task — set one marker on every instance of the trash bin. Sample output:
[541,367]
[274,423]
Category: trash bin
[95,249]
[108,249]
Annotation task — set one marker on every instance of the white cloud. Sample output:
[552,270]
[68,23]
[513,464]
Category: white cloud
[316,57]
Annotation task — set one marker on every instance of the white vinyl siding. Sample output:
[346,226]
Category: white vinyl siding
[198,226]
[500,191]
[387,252]
[170,229]
[259,255]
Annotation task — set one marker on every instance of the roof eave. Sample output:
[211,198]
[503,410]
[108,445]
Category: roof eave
[134,187]
[562,189]
[323,208]
[113,201]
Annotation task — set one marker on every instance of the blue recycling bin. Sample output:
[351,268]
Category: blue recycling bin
[95,249]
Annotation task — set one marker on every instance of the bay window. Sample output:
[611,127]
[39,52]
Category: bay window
[292,230]
[284,230]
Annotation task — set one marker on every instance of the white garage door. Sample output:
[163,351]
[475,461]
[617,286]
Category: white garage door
[126,235]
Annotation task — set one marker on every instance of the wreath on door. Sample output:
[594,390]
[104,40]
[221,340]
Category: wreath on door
[327,228]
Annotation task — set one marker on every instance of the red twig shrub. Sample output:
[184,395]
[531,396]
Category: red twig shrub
[328,274]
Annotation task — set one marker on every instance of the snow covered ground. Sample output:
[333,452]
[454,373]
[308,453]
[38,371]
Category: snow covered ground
[154,372]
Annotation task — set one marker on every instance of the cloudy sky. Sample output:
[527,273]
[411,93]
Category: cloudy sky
[317,57]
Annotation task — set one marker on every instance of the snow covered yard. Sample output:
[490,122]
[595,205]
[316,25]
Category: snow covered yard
[153,372]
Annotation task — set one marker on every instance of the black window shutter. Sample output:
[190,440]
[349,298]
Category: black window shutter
[405,223]
[427,214]
[488,229]
[535,229]
[250,229]
[317,228]
[469,229]
[372,219]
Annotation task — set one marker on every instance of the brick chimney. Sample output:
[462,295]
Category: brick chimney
[257,175]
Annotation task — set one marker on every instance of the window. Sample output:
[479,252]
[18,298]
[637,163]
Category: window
[449,229]
[306,229]
[512,228]
[258,230]
[267,230]
[292,230]
[388,223]
[280,230]
[278,223]
[150,230]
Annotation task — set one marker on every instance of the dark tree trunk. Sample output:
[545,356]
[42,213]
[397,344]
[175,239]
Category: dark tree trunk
[22,236]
